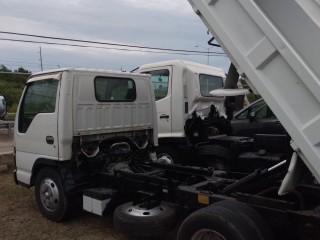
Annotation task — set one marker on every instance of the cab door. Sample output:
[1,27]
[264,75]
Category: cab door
[36,125]
[162,84]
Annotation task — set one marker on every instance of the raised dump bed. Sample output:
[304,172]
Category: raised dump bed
[275,45]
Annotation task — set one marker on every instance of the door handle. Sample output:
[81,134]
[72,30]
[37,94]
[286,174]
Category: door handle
[164,116]
[49,139]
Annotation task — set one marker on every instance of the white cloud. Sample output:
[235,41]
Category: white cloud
[164,8]
[152,23]
[179,6]
[24,25]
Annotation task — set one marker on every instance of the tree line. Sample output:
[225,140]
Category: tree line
[11,85]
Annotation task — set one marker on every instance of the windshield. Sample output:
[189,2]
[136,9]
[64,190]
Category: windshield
[209,83]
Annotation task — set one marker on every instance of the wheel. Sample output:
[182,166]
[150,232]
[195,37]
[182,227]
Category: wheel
[222,222]
[220,158]
[50,196]
[168,154]
[136,220]
[251,216]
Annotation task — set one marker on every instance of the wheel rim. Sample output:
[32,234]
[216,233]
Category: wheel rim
[165,158]
[49,194]
[138,211]
[207,234]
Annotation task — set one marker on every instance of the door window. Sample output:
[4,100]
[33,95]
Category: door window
[264,113]
[40,97]
[245,114]
[160,82]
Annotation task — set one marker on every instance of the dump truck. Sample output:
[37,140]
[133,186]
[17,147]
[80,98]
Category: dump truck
[77,136]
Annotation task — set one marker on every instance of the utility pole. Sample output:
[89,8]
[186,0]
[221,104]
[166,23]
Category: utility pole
[41,59]
[208,52]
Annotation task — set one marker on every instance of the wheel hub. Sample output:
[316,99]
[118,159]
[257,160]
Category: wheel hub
[138,211]
[49,194]
[165,158]
[207,234]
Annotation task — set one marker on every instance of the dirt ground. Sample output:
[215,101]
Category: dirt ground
[20,218]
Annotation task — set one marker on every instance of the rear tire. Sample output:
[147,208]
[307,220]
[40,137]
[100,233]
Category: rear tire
[220,221]
[250,216]
[50,197]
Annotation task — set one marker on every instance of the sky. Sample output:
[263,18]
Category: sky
[169,24]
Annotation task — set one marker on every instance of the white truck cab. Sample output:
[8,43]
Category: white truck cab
[63,108]
[181,89]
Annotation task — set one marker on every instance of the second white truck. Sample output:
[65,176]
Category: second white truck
[182,89]
[192,119]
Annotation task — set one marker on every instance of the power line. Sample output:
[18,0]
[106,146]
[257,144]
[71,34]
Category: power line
[120,49]
[105,43]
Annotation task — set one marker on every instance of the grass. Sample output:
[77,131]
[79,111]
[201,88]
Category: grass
[20,218]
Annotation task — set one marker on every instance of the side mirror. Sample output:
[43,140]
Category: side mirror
[3,107]
[252,117]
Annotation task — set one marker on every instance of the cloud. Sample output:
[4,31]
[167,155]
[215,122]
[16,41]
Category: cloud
[152,23]
[178,6]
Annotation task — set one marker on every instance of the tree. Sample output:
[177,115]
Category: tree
[12,84]
[3,68]
[22,70]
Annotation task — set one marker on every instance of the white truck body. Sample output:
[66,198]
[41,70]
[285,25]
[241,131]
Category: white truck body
[275,45]
[76,111]
[184,93]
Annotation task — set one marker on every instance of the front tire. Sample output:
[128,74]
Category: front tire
[50,196]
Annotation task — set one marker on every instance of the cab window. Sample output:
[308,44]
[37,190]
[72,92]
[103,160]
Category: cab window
[40,97]
[209,83]
[110,89]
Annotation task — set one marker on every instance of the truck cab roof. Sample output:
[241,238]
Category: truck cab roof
[83,70]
